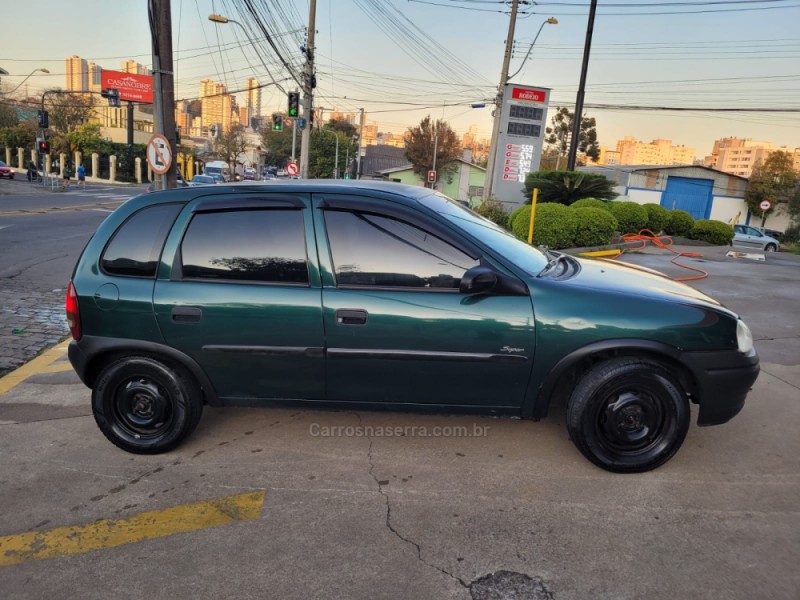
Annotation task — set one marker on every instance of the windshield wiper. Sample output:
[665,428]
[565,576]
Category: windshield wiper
[554,258]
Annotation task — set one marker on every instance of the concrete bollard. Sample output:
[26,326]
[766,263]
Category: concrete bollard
[95,165]
[35,157]
[138,170]
[78,159]
[21,158]
[47,164]
[62,158]
[8,155]
[112,169]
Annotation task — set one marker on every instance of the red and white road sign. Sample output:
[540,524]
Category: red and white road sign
[159,154]
[292,169]
[765,205]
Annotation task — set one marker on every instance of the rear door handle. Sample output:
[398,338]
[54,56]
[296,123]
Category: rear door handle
[347,316]
[186,314]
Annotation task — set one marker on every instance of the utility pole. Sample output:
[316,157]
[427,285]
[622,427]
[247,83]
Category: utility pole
[360,138]
[163,82]
[435,150]
[578,118]
[308,90]
[498,103]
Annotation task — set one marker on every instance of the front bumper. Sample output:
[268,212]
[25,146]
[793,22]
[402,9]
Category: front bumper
[722,380]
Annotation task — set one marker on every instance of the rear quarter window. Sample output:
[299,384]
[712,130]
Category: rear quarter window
[136,246]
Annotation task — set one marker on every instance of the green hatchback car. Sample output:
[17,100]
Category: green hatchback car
[368,295]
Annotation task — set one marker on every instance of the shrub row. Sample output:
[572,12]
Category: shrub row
[593,222]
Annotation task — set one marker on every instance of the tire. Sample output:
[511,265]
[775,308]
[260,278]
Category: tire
[628,415]
[145,407]
[770,248]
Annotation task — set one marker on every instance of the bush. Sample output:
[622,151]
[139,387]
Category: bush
[512,219]
[680,223]
[657,217]
[493,210]
[791,235]
[591,203]
[595,226]
[632,217]
[554,226]
[713,232]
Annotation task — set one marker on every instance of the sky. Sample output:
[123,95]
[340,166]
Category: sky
[401,60]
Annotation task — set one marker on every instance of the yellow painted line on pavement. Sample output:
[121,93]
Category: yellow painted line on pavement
[37,365]
[78,539]
[57,368]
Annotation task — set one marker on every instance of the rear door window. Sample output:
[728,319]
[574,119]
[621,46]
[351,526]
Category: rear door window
[135,249]
[258,246]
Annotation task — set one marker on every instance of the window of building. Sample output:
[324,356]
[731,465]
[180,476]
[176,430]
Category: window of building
[136,246]
[264,246]
[371,250]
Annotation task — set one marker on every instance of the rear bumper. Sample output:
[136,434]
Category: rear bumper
[723,380]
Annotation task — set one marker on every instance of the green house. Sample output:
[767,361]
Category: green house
[464,184]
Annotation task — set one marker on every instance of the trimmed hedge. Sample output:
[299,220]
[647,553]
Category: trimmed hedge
[591,203]
[554,226]
[657,217]
[713,232]
[512,219]
[595,226]
[632,217]
[680,223]
[493,210]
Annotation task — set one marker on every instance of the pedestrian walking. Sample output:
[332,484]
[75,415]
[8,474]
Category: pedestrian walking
[67,175]
[31,171]
[81,176]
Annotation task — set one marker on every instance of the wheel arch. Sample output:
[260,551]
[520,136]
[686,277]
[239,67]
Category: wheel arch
[91,355]
[563,377]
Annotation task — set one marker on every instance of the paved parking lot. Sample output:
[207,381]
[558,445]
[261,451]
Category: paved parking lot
[317,504]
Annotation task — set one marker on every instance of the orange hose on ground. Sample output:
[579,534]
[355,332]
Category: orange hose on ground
[646,236]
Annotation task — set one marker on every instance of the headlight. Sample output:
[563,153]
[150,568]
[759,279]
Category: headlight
[743,337]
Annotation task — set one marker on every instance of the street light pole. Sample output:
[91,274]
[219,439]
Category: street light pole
[308,90]
[26,79]
[336,160]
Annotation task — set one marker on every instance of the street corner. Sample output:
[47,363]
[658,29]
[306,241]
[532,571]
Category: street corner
[44,388]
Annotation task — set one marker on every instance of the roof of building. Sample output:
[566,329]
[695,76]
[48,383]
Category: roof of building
[635,168]
[409,166]
[378,158]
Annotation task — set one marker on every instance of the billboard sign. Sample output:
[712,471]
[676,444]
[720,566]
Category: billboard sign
[519,146]
[132,87]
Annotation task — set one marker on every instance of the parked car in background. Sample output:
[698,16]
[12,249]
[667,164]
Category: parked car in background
[6,171]
[360,295]
[218,168]
[773,233]
[249,174]
[203,180]
[750,237]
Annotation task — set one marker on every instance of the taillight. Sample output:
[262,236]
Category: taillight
[73,312]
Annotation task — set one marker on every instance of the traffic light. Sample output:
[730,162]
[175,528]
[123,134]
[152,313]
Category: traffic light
[277,123]
[111,95]
[44,147]
[431,176]
[43,119]
[294,104]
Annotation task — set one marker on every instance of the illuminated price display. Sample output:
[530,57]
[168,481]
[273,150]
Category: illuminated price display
[526,112]
[526,129]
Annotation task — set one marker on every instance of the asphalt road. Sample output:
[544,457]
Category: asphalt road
[260,503]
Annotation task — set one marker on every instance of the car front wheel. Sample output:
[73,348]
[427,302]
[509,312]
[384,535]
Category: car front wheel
[143,406]
[628,415]
[770,248]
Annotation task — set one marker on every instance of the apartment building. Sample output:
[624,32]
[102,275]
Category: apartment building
[739,156]
[217,105]
[77,72]
[631,151]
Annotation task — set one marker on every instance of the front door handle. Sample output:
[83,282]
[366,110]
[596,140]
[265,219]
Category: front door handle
[186,314]
[348,316]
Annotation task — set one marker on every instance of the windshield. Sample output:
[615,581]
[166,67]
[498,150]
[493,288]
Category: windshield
[521,254]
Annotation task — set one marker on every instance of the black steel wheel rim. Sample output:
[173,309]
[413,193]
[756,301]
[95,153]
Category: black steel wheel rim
[143,408]
[635,421]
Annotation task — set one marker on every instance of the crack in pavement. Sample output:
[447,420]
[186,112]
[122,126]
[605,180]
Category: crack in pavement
[12,275]
[789,383]
[391,527]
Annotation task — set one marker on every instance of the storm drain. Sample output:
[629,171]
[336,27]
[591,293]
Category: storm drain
[509,585]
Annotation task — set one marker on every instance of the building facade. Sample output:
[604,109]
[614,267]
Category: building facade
[739,156]
[77,71]
[252,100]
[631,151]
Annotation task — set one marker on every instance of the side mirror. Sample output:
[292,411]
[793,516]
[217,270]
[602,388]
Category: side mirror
[478,280]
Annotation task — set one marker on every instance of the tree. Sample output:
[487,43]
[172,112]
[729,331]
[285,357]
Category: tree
[278,146]
[8,116]
[560,133]
[86,139]
[67,111]
[322,152]
[347,129]
[22,135]
[565,187]
[419,147]
[230,145]
[775,180]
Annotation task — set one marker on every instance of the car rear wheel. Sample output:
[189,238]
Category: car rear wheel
[143,406]
[770,248]
[628,415]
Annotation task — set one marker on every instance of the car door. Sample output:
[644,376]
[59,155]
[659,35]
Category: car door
[746,237]
[242,296]
[398,329]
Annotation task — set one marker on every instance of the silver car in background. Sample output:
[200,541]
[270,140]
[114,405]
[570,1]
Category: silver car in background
[750,237]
